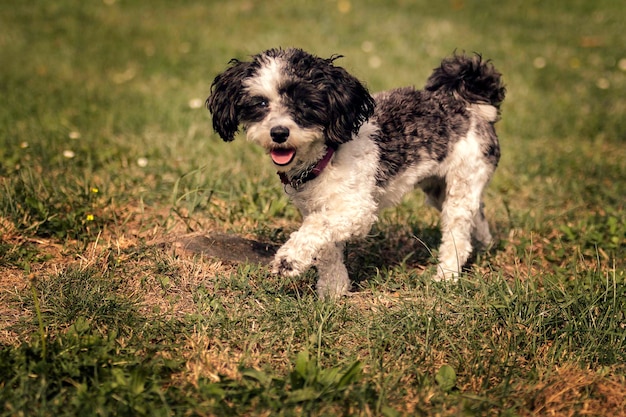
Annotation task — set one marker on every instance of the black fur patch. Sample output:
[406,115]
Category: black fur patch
[306,103]
[415,126]
[227,97]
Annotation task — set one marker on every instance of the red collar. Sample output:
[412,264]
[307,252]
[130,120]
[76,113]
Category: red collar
[308,174]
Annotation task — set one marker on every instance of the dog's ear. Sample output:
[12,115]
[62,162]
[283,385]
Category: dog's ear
[349,104]
[226,94]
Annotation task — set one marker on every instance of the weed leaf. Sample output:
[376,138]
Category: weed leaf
[446,378]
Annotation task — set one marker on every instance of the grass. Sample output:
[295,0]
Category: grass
[106,155]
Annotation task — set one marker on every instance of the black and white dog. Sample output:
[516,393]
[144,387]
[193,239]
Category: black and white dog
[343,154]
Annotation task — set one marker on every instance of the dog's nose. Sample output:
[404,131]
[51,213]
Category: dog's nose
[279,134]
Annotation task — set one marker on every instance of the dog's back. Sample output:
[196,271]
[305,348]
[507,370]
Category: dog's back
[422,126]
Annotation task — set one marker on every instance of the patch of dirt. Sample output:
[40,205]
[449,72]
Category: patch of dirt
[225,247]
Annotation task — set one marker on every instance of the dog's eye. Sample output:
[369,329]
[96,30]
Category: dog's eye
[261,102]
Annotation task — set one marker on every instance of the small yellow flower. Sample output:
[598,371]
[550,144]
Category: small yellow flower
[94,190]
[90,217]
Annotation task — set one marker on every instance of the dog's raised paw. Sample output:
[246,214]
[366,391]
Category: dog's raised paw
[283,266]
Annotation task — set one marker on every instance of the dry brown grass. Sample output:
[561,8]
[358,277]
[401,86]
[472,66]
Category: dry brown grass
[570,391]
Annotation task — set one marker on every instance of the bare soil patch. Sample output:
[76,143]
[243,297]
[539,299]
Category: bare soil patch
[225,247]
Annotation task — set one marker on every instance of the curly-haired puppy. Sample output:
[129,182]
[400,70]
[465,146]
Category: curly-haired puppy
[343,154]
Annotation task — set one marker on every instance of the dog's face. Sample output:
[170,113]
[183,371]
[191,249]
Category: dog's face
[291,103]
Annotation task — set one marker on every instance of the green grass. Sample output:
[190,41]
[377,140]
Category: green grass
[105,156]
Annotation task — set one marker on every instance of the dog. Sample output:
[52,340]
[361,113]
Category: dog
[343,154]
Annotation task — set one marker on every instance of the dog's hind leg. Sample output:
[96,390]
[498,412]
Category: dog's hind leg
[456,245]
[461,213]
[481,228]
[333,278]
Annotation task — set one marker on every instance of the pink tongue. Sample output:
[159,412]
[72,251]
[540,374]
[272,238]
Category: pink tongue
[282,156]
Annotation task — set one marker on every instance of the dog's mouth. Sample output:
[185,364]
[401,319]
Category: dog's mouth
[283,156]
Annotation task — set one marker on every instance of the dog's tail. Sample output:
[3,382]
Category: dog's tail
[470,79]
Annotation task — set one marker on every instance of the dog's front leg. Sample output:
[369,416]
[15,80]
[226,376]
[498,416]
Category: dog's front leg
[319,230]
[333,278]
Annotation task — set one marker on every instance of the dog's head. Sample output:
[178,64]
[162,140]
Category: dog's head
[290,102]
